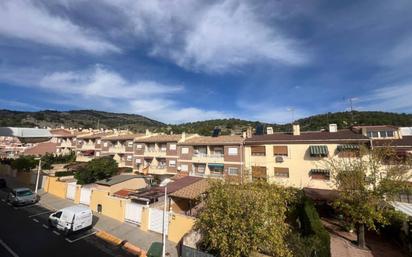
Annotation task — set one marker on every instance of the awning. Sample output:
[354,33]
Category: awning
[348,147]
[319,171]
[318,150]
[216,165]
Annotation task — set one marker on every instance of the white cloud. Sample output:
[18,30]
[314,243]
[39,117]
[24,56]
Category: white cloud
[23,19]
[390,98]
[212,37]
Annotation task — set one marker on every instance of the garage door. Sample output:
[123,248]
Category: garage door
[133,213]
[85,194]
[71,190]
[156,220]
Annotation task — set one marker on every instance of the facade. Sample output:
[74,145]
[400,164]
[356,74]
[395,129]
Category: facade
[218,156]
[65,140]
[157,154]
[298,159]
[89,146]
[120,147]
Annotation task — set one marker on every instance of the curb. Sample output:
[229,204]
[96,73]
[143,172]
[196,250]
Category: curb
[111,239]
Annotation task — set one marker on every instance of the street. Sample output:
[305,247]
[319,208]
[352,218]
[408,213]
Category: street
[24,232]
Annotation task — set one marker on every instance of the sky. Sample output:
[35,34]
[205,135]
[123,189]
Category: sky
[181,60]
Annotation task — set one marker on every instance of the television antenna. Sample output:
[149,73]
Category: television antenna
[292,111]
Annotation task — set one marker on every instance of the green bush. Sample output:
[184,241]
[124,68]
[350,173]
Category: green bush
[63,173]
[313,228]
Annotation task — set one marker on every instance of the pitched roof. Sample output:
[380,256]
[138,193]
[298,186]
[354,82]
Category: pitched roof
[116,180]
[159,138]
[124,193]
[344,135]
[405,141]
[61,133]
[121,137]
[94,136]
[192,191]
[41,149]
[219,140]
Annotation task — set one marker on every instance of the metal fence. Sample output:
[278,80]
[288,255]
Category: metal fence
[191,252]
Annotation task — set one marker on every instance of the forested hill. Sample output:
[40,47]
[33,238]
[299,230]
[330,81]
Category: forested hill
[94,119]
[77,119]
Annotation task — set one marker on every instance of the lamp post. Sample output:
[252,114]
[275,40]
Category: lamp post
[38,175]
[164,224]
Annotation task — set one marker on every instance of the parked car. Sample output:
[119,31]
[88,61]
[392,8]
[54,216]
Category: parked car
[3,183]
[22,195]
[71,219]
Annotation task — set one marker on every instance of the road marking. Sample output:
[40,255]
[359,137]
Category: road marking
[55,232]
[45,226]
[38,214]
[80,238]
[8,248]
[36,220]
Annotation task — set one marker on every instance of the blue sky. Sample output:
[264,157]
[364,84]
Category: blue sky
[183,60]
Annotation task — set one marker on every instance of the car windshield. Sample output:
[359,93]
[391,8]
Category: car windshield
[24,193]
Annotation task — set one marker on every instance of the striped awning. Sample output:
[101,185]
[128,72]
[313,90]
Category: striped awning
[319,171]
[318,150]
[348,147]
[217,165]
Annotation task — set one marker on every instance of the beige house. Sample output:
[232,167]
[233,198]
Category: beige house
[89,146]
[298,159]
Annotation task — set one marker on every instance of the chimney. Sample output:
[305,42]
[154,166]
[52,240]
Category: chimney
[183,136]
[269,130]
[296,130]
[249,132]
[333,128]
[148,133]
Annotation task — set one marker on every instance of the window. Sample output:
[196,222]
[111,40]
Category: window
[232,151]
[105,144]
[233,171]
[200,168]
[97,154]
[57,214]
[373,134]
[258,150]
[389,133]
[138,161]
[129,158]
[139,146]
[184,167]
[24,193]
[172,163]
[163,147]
[130,144]
[185,150]
[99,141]
[216,168]
[280,150]
[320,174]
[172,147]
[282,172]
[259,172]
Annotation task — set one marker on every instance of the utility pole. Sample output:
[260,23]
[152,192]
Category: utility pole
[38,176]
[164,224]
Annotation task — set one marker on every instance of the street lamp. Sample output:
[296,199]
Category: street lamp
[38,174]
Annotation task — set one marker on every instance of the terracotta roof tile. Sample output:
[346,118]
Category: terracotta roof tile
[61,133]
[192,191]
[124,193]
[94,136]
[41,149]
[159,138]
[220,140]
[405,141]
[122,137]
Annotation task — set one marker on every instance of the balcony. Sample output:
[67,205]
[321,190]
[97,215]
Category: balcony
[158,169]
[117,149]
[155,152]
[203,157]
[87,146]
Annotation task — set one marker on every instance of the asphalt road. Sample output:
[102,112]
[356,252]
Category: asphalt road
[24,232]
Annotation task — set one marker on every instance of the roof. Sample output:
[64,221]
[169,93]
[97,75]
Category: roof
[41,149]
[344,135]
[181,183]
[219,140]
[27,135]
[93,136]
[121,137]
[61,133]
[192,191]
[116,180]
[375,127]
[405,141]
[405,208]
[124,193]
[159,138]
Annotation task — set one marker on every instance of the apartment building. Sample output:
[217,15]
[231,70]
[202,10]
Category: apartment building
[120,147]
[298,159]
[65,140]
[157,154]
[217,156]
[381,132]
[89,146]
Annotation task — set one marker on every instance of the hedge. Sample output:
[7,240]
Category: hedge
[63,173]
[313,227]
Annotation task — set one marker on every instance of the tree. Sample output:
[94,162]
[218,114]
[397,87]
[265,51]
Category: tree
[366,183]
[96,169]
[24,163]
[240,219]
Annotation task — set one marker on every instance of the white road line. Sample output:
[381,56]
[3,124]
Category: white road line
[8,248]
[55,232]
[45,226]
[36,220]
[38,214]
[80,238]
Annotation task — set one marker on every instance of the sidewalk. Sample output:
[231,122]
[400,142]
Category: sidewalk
[124,231]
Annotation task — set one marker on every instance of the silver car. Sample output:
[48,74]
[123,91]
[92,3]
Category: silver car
[22,195]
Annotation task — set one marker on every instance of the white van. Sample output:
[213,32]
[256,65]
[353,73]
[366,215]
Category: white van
[72,218]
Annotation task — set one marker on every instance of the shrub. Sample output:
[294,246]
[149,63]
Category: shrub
[63,173]
[313,227]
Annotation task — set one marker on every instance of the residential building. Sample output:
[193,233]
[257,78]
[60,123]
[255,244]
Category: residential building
[89,146]
[157,154]
[207,156]
[65,140]
[120,147]
[298,159]
[379,132]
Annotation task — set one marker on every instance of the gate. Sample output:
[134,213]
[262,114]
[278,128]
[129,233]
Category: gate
[71,191]
[85,194]
[133,213]
[156,220]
